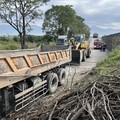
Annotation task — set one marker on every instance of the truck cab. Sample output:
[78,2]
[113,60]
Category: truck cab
[62,40]
[78,38]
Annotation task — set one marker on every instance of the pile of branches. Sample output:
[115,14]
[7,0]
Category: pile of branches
[100,101]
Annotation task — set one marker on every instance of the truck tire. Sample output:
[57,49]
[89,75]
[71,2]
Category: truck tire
[84,56]
[81,56]
[62,77]
[52,82]
[88,53]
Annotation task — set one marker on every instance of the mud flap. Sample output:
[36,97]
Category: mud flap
[76,57]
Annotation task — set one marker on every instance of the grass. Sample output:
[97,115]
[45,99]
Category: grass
[9,45]
[111,63]
[12,45]
[109,66]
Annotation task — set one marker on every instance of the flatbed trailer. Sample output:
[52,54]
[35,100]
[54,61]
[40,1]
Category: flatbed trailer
[26,75]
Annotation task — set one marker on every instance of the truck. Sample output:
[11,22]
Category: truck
[97,44]
[95,35]
[80,47]
[26,75]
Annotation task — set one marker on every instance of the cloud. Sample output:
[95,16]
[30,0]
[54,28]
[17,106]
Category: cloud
[93,7]
[66,2]
[59,2]
[114,26]
[100,13]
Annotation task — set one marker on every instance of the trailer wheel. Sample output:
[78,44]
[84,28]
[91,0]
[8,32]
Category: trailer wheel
[52,82]
[62,77]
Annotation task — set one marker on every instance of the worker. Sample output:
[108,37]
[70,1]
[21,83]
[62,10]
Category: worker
[103,46]
[72,41]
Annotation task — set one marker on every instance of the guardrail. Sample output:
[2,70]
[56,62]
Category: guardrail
[112,41]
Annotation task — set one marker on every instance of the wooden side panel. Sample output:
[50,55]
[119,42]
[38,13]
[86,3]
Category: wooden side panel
[68,53]
[15,67]
[44,58]
[52,56]
[20,62]
[4,66]
[64,54]
[28,61]
[34,59]
[59,55]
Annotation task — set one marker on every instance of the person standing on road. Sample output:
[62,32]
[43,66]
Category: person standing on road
[103,46]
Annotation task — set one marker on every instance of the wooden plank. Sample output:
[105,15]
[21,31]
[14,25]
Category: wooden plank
[12,65]
[52,56]
[49,56]
[40,58]
[61,54]
[56,56]
[66,53]
[28,60]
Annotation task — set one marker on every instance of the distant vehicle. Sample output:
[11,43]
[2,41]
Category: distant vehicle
[97,44]
[62,40]
[95,35]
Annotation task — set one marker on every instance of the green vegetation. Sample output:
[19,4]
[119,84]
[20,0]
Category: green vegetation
[19,14]
[109,66]
[32,41]
[111,63]
[59,20]
[63,20]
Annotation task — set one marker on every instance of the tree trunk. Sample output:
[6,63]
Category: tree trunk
[21,40]
[24,33]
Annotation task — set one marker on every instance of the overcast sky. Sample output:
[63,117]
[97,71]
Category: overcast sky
[103,14]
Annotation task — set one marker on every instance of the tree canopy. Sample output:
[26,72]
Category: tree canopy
[60,20]
[19,14]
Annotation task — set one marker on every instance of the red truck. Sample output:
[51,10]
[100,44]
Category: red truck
[97,44]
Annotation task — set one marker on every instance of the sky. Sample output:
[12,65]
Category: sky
[100,14]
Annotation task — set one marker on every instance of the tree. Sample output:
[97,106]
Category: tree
[19,14]
[86,31]
[79,27]
[58,19]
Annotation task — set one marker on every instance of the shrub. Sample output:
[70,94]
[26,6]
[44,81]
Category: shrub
[11,47]
[3,38]
[16,38]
